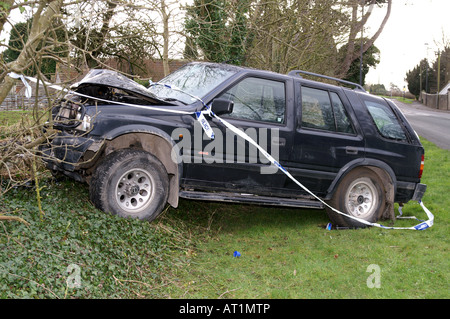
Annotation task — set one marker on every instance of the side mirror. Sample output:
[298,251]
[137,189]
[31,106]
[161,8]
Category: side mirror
[222,106]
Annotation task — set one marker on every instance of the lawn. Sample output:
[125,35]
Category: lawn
[287,253]
[10,117]
[401,99]
[76,251]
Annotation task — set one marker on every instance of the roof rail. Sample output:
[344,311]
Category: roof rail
[297,72]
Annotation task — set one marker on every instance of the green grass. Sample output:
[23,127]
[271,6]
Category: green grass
[12,117]
[188,251]
[401,99]
[287,253]
[13,122]
[117,258]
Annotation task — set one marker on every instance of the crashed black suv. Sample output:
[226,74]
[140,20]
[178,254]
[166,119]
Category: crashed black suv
[140,148]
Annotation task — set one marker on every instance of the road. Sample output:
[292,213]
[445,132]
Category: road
[433,125]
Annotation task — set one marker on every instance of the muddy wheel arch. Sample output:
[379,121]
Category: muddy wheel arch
[384,173]
[156,143]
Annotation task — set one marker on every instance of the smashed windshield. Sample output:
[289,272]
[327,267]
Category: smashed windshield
[196,79]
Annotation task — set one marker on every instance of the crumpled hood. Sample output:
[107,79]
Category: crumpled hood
[113,79]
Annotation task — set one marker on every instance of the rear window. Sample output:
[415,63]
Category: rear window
[385,120]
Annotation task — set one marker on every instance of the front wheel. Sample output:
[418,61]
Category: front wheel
[130,183]
[360,194]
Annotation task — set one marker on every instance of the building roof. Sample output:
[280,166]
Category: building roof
[445,89]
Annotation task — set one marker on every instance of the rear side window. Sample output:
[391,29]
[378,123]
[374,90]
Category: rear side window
[385,120]
[323,110]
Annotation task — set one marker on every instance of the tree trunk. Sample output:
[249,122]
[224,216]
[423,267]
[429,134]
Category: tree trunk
[356,27]
[92,59]
[41,22]
[165,18]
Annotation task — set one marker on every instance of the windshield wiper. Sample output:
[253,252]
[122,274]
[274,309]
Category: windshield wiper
[171,99]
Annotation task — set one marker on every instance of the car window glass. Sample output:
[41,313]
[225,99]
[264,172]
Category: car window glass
[316,110]
[343,123]
[324,110]
[192,80]
[385,120]
[258,99]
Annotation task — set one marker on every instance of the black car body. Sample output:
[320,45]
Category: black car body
[140,148]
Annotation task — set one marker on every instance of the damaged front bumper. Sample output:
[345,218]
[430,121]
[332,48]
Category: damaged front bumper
[71,155]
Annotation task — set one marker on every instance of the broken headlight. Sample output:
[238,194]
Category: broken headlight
[71,115]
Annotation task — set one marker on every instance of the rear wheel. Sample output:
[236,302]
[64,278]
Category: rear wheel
[360,194]
[130,183]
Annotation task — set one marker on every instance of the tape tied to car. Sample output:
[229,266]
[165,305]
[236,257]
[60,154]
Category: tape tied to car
[200,116]
[60,88]
[240,133]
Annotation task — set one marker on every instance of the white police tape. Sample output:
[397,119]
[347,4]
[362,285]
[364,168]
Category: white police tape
[204,123]
[59,88]
[421,226]
[27,86]
[240,133]
[209,132]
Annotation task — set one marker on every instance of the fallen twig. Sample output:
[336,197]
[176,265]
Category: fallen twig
[18,219]
[228,291]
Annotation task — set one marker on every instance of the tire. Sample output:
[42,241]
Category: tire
[361,194]
[130,183]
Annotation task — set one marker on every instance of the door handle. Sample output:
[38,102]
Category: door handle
[279,141]
[351,150]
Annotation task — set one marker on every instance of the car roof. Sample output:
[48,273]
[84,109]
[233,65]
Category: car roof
[296,74]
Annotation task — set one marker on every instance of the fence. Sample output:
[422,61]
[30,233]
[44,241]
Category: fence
[16,99]
[436,101]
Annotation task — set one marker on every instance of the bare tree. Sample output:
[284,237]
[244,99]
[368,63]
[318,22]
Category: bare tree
[165,18]
[356,26]
[128,31]
[19,154]
[96,31]
[168,15]
[42,20]
[282,35]
[300,34]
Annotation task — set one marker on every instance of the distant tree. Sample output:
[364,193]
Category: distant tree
[377,89]
[371,57]
[393,87]
[424,76]
[417,78]
[217,28]
[443,64]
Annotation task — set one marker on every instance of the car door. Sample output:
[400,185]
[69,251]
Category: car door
[261,110]
[326,137]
